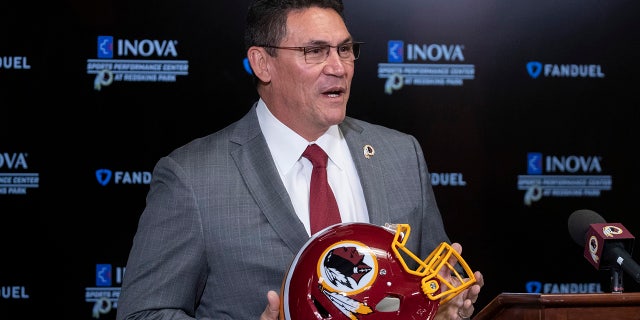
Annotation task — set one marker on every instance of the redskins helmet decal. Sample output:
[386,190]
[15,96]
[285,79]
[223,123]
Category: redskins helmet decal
[363,271]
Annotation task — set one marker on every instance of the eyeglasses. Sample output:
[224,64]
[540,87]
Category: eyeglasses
[348,51]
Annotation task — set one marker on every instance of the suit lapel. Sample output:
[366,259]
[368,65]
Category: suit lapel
[369,169]
[256,166]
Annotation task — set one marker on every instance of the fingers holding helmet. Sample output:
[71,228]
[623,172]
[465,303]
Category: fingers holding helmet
[461,305]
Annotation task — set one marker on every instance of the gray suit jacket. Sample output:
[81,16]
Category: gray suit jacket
[219,229]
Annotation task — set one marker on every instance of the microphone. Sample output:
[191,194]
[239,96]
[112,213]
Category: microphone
[606,245]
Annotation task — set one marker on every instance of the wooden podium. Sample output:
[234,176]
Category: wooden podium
[583,306]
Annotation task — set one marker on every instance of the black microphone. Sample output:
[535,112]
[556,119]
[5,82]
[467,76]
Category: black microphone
[607,245]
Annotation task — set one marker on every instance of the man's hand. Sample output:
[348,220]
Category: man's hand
[273,307]
[461,306]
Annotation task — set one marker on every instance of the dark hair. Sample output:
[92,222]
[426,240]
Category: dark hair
[267,19]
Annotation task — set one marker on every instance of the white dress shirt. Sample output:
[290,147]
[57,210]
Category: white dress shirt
[287,147]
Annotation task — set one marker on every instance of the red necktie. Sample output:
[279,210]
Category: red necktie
[323,208]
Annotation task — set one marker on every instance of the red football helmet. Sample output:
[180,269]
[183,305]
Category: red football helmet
[362,271]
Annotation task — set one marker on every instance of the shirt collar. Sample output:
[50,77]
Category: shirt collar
[286,146]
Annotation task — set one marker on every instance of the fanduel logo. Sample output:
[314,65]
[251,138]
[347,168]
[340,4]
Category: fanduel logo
[122,177]
[16,62]
[539,287]
[535,69]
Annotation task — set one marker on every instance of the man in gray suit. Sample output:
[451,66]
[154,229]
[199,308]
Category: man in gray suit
[226,213]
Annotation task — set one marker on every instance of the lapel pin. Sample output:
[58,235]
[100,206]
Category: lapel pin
[368,151]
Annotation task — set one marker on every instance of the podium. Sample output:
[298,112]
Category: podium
[583,306]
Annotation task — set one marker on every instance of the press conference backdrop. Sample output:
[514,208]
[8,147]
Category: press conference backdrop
[527,111]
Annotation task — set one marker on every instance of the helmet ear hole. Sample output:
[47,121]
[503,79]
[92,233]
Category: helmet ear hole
[388,304]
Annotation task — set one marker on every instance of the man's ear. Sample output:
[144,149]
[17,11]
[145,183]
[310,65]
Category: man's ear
[258,60]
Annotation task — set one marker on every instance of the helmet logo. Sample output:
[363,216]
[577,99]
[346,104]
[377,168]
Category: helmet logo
[347,268]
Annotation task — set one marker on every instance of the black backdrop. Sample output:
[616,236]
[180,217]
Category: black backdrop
[482,122]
